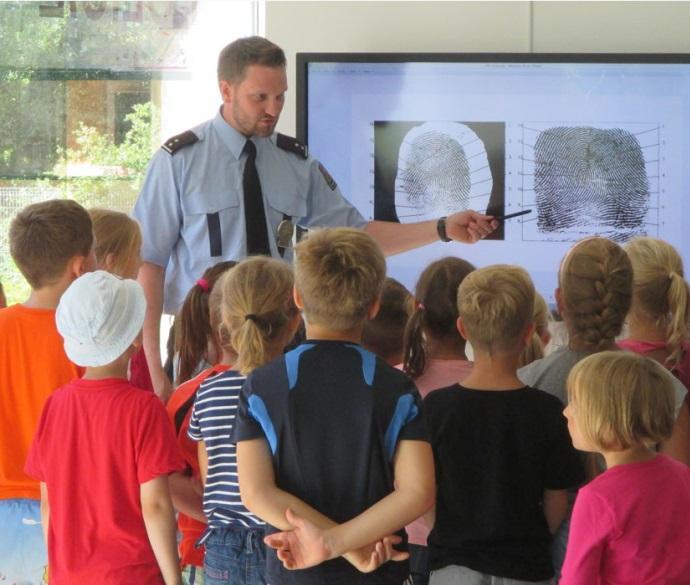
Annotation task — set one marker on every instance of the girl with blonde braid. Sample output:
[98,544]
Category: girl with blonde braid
[659,317]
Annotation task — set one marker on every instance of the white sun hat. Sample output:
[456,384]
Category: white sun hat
[99,316]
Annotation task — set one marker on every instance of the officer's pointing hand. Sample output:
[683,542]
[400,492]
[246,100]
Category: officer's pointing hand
[469,226]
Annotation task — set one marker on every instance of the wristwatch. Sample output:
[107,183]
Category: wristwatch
[441,230]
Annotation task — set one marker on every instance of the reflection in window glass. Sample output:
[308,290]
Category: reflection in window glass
[88,90]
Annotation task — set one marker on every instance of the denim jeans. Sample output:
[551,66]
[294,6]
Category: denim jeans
[235,556]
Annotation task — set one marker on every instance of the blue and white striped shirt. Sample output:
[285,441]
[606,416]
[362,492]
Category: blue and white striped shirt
[212,422]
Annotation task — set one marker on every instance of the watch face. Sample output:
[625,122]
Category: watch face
[284,233]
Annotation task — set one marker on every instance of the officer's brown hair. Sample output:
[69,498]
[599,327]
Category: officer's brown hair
[240,54]
[45,236]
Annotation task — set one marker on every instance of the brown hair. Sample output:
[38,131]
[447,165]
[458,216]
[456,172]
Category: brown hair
[660,292]
[45,236]
[496,304]
[256,306]
[596,289]
[118,234]
[383,334]
[621,399]
[534,350]
[194,327]
[241,53]
[339,273]
[436,310]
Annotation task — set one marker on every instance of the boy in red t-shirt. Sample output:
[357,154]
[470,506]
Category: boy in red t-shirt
[103,449]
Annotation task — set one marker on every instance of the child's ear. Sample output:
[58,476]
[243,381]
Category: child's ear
[527,335]
[297,298]
[374,309]
[108,262]
[77,266]
[461,328]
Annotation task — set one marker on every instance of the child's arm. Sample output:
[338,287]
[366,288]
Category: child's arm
[187,495]
[413,495]
[202,454]
[262,497]
[45,510]
[159,518]
[555,508]
[677,445]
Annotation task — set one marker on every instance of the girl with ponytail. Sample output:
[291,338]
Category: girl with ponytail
[256,319]
[659,318]
[198,342]
[434,357]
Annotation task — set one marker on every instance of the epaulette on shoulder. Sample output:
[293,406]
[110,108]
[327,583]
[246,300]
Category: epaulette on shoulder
[172,145]
[292,145]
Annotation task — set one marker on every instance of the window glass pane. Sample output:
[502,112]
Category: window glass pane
[89,90]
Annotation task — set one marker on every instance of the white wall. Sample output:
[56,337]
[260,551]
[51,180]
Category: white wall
[485,26]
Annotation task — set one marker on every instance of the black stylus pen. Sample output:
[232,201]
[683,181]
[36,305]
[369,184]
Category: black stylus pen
[511,215]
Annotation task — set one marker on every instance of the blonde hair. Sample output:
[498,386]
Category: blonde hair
[339,274]
[256,305]
[496,305]
[534,350]
[45,236]
[595,281]
[118,234]
[621,399]
[659,290]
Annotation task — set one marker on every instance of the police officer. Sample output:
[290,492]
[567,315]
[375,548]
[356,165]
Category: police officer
[232,187]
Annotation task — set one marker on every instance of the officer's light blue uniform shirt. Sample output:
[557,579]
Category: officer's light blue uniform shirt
[181,189]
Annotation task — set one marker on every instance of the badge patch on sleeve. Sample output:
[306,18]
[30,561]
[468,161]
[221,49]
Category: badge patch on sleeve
[327,177]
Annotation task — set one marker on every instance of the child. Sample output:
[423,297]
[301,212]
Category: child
[195,341]
[103,449]
[118,242]
[434,356]
[630,524]
[200,313]
[593,297]
[52,244]
[383,335]
[659,316]
[118,251]
[502,452]
[257,319]
[535,348]
[331,432]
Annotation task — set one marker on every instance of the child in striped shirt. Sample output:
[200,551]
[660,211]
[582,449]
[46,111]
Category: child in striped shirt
[258,318]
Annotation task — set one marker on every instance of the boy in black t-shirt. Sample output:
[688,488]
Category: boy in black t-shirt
[502,451]
[331,443]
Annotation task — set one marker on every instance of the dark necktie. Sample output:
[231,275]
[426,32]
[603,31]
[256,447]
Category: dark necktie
[254,212]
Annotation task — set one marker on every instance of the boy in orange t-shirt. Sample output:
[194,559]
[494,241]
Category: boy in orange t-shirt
[52,244]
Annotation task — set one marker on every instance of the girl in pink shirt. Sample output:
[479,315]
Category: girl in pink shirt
[629,525]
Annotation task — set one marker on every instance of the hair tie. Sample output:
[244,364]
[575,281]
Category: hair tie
[421,307]
[251,317]
[202,283]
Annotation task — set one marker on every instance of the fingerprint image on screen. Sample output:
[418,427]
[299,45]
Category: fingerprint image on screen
[590,179]
[443,167]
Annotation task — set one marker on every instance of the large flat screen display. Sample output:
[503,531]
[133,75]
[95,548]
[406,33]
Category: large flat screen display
[591,144]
